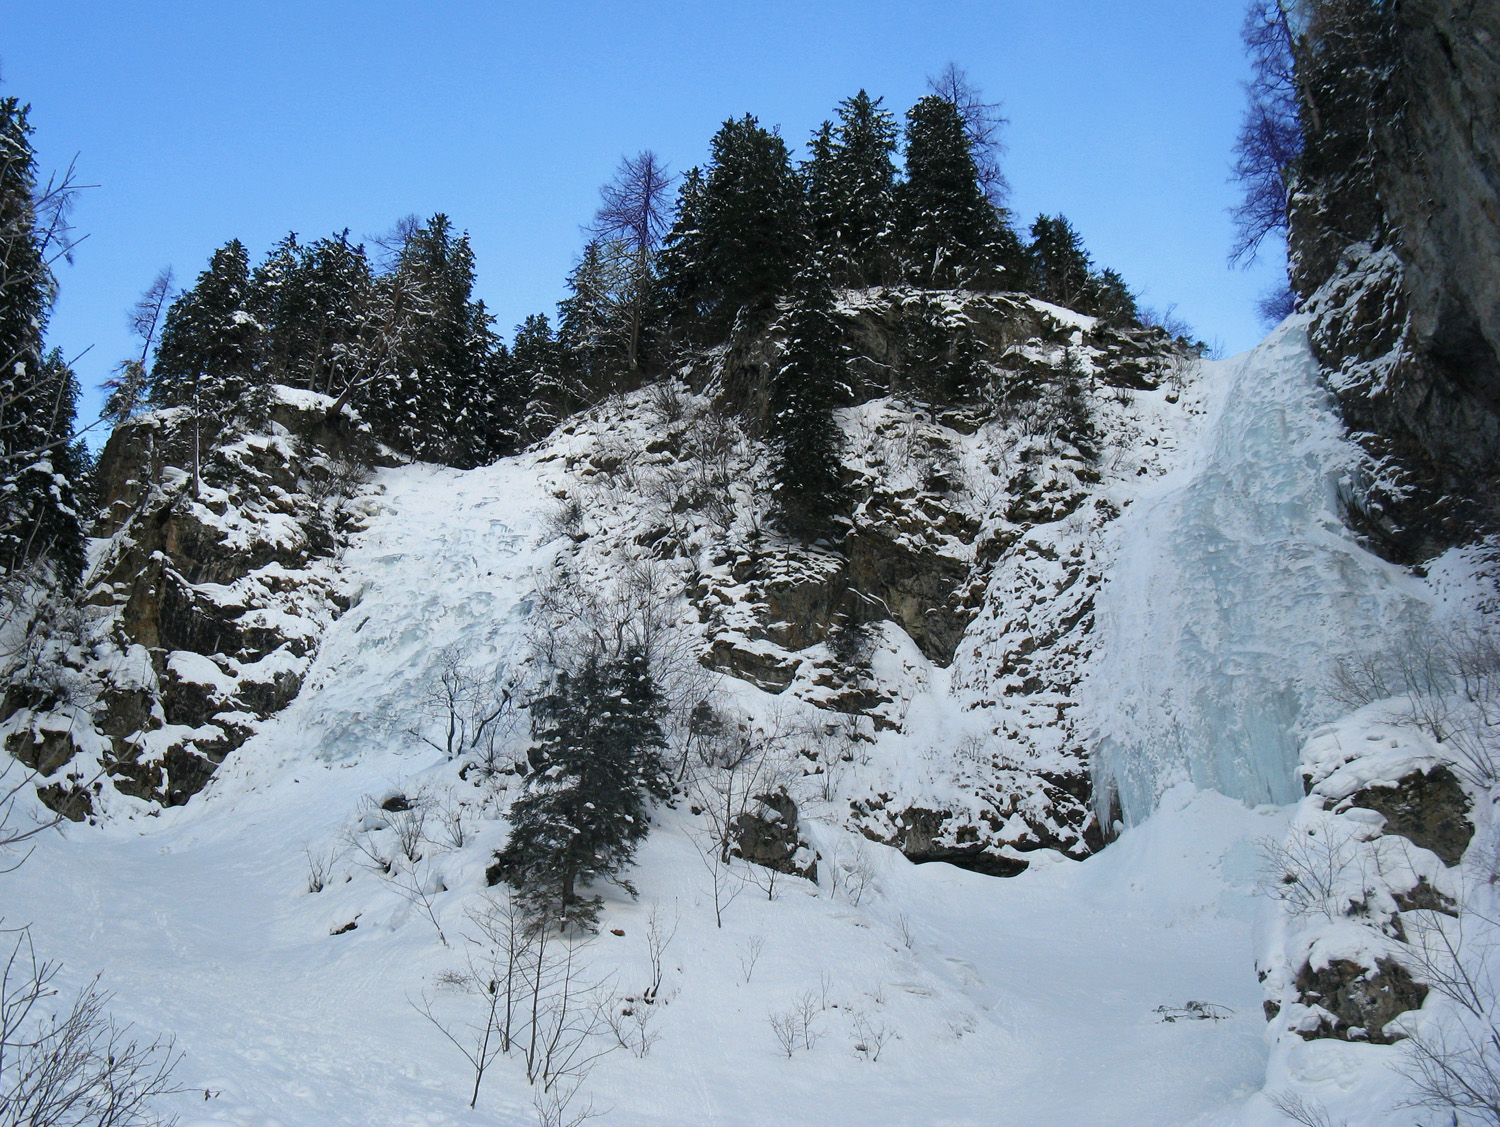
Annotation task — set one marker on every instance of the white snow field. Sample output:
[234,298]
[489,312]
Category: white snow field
[1045,998]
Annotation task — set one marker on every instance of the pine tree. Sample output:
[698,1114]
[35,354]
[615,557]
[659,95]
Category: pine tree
[598,744]
[951,234]
[741,236]
[1060,267]
[595,321]
[543,373]
[38,392]
[851,177]
[209,349]
[806,443]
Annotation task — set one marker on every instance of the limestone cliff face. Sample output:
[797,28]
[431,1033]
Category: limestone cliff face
[201,607]
[924,663]
[1395,235]
[919,668]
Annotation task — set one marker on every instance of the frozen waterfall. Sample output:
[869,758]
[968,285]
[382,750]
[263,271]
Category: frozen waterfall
[1232,588]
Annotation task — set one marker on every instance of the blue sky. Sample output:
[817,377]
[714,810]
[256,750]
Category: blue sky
[200,122]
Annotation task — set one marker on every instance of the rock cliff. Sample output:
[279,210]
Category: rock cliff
[1395,240]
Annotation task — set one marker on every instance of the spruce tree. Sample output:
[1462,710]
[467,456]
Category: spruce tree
[680,277]
[1061,270]
[38,393]
[950,233]
[851,177]
[1110,298]
[805,440]
[543,373]
[819,185]
[598,744]
[335,275]
[311,302]
[209,349]
[944,355]
[595,321]
[209,343]
[279,301]
[499,400]
[431,341]
[41,507]
[741,236]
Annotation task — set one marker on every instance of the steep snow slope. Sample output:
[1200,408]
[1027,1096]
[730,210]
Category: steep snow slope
[1233,587]
[1060,995]
[1012,1001]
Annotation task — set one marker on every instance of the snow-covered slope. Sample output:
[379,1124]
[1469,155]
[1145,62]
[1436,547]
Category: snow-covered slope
[1119,990]
[1004,1001]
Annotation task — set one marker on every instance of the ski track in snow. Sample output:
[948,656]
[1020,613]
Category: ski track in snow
[1017,1002]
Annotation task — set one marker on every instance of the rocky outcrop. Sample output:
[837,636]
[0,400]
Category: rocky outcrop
[1356,1001]
[982,434]
[1395,240]
[934,835]
[1428,808]
[1365,883]
[203,605]
[767,835]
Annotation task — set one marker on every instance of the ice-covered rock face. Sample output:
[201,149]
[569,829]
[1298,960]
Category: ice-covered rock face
[1233,586]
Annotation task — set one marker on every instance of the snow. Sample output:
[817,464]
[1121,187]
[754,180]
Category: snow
[1119,990]
[1014,1001]
[1018,1000]
[1233,588]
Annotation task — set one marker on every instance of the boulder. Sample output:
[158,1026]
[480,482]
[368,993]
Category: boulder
[768,835]
[1357,1001]
[1429,809]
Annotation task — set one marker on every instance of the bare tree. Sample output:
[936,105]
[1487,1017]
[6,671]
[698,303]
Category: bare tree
[1270,133]
[659,936]
[784,1029]
[1453,1059]
[870,1037]
[725,884]
[750,950]
[635,210]
[1448,684]
[474,710]
[554,1107]
[16,831]
[1298,1110]
[76,1068]
[983,125]
[534,999]
[1315,870]
[127,388]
